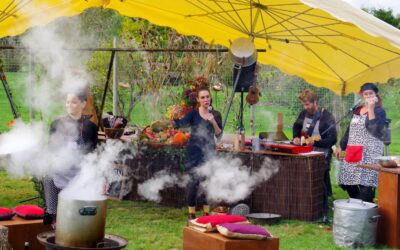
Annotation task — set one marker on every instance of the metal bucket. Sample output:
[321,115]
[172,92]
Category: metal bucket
[80,223]
[354,223]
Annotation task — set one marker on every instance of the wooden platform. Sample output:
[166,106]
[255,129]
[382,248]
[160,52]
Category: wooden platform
[194,240]
[21,231]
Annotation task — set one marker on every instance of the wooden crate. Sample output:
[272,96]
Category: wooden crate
[21,231]
[195,240]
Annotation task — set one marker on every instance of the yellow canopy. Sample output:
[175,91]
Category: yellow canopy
[18,15]
[301,37]
[328,43]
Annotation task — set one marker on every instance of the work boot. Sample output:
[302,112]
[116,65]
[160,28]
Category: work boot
[325,220]
[206,210]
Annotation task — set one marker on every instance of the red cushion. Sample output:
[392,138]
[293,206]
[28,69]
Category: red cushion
[6,214]
[219,219]
[29,211]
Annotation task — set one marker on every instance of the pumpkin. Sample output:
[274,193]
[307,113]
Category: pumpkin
[180,137]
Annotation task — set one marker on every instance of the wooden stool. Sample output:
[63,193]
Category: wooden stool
[195,240]
[21,231]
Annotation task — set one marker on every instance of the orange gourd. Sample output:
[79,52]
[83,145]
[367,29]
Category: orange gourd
[180,137]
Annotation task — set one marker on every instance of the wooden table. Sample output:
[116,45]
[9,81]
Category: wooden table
[388,205]
[21,231]
[295,192]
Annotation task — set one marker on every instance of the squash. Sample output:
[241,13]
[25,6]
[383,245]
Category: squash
[180,138]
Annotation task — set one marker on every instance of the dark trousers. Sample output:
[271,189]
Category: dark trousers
[327,181]
[327,191]
[360,192]
[193,188]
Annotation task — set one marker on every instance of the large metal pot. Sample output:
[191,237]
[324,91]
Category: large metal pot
[354,223]
[80,223]
[243,52]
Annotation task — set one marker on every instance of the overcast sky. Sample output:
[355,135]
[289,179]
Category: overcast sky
[377,4]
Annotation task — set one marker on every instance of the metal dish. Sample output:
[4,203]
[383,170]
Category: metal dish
[264,218]
[389,161]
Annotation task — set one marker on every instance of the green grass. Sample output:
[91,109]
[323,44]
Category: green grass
[12,191]
[149,226]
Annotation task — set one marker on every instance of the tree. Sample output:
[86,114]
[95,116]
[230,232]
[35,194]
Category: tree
[386,16]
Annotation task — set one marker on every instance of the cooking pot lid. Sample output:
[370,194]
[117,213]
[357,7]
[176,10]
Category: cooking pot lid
[354,204]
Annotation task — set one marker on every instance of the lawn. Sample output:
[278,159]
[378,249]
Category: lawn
[150,226]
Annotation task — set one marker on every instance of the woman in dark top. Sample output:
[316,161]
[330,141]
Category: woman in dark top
[75,133]
[205,123]
[366,126]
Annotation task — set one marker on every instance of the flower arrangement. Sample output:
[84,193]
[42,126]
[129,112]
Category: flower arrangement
[175,111]
[188,98]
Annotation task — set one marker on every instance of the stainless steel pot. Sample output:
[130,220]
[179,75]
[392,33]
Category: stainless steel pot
[243,52]
[354,223]
[80,223]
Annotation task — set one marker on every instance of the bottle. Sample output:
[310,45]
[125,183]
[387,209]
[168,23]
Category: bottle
[242,137]
[26,245]
[236,142]
[255,144]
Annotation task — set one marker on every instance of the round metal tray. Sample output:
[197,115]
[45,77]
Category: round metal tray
[264,218]
[389,161]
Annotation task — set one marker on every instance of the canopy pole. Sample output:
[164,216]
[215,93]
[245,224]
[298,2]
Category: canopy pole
[115,82]
[239,68]
[105,89]
[8,92]
[120,49]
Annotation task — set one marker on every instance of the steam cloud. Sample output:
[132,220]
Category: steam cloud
[25,149]
[63,71]
[27,152]
[225,180]
[151,188]
[96,169]
[228,180]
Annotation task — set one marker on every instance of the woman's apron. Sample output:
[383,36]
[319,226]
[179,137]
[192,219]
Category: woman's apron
[372,148]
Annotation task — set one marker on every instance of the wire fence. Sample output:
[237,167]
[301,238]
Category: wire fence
[148,82]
